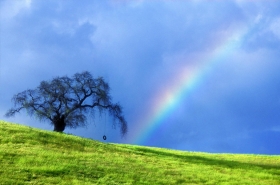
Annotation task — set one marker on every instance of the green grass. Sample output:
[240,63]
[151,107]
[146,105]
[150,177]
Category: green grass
[33,156]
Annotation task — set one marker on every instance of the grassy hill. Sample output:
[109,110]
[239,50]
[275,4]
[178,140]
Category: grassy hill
[33,156]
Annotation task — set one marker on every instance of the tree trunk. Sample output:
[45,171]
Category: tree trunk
[59,124]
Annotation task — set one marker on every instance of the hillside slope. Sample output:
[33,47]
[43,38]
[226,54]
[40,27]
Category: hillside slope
[33,156]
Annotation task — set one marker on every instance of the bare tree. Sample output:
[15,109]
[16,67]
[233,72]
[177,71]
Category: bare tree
[66,101]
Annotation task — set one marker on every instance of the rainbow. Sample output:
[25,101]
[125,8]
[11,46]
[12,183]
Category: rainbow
[188,79]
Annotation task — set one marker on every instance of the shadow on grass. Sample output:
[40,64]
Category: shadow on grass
[272,169]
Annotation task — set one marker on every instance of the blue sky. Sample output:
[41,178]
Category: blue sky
[140,47]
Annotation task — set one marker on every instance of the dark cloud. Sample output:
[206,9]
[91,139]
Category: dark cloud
[139,47]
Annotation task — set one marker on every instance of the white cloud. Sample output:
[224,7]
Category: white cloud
[275,27]
[133,3]
[258,18]
[10,9]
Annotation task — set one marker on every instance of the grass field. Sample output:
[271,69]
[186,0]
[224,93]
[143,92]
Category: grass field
[33,156]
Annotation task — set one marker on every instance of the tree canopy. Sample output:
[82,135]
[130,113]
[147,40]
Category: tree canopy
[66,102]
